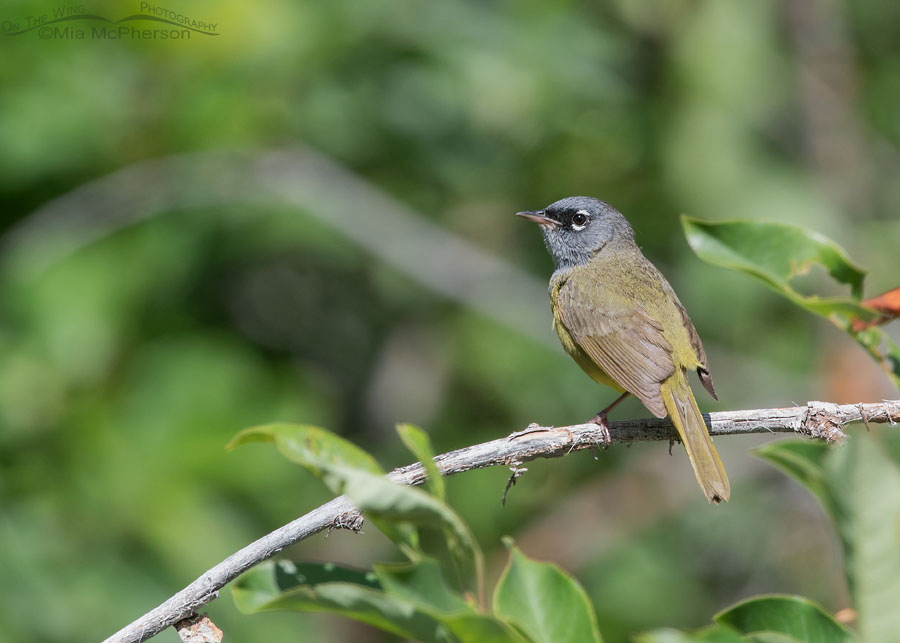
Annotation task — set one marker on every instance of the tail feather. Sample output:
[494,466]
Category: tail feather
[682,408]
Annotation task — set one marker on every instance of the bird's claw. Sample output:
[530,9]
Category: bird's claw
[601,421]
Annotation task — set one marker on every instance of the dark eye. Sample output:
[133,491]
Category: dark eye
[579,219]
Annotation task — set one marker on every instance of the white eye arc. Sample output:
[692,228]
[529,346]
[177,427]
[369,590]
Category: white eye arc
[579,220]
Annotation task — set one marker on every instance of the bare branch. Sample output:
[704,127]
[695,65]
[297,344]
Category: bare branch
[821,420]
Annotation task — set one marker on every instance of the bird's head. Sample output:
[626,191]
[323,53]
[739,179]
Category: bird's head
[578,227]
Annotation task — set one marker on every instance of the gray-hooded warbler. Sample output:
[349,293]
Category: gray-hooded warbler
[619,318]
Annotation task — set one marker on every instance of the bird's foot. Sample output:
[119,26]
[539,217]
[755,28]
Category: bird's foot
[603,443]
[534,427]
[601,421]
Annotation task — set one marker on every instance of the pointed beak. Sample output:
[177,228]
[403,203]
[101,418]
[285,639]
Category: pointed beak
[539,217]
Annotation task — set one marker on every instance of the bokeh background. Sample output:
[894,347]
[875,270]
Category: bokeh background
[309,217]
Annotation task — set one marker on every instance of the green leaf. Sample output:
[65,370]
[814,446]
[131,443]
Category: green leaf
[384,499]
[791,616]
[882,349]
[267,581]
[421,583]
[805,461]
[391,506]
[307,445]
[480,628]
[544,602]
[865,485]
[308,587]
[711,634]
[360,603]
[407,603]
[771,637]
[416,440]
[320,451]
[859,485]
[667,636]
[775,253]
[418,443]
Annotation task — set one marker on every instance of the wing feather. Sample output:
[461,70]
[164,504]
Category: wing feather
[628,344]
[703,368]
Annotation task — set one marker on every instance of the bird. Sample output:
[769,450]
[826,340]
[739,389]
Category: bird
[617,316]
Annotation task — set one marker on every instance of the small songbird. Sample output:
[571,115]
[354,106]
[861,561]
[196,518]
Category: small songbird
[619,318]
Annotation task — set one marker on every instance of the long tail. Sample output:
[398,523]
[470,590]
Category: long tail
[682,408]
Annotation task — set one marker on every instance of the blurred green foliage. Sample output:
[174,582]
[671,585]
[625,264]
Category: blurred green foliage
[127,365]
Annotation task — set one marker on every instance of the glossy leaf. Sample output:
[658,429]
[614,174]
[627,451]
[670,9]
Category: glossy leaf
[416,440]
[882,349]
[308,587]
[393,506]
[354,601]
[712,634]
[411,601]
[481,628]
[859,485]
[307,445]
[791,616]
[422,583]
[320,451]
[544,602]
[805,461]
[382,498]
[267,581]
[775,253]
[865,484]
[771,637]
[666,636]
